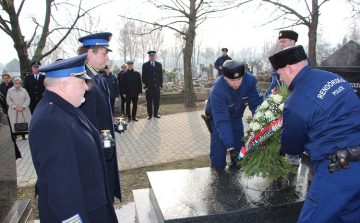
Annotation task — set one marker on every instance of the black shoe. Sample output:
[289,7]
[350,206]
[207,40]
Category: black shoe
[149,117]
[135,119]
[157,116]
[129,120]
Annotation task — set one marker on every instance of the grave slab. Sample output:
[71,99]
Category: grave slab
[225,195]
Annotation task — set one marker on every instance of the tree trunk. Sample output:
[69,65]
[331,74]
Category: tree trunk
[313,33]
[187,55]
[17,37]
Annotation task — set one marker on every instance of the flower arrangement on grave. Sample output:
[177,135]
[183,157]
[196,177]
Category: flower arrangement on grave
[261,157]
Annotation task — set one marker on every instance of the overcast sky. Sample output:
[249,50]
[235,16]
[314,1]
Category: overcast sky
[233,29]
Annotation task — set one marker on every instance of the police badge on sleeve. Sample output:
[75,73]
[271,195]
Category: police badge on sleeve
[258,89]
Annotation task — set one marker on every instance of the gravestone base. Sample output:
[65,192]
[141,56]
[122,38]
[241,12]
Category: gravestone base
[221,195]
[20,212]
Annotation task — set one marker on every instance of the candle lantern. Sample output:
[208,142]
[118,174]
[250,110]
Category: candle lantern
[107,141]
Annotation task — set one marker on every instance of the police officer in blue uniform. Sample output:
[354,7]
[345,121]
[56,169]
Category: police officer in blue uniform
[286,38]
[152,78]
[97,105]
[322,118]
[132,89]
[229,96]
[113,86]
[66,150]
[34,85]
[220,61]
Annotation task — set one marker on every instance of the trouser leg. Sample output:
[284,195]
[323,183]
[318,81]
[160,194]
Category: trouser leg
[149,108]
[217,149]
[123,100]
[333,197]
[156,107]
[128,102]
[134,101]
[112,103]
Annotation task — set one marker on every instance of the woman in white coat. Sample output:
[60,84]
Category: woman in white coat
[18,100]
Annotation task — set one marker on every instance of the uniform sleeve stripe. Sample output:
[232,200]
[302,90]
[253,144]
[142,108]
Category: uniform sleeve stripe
[74,219]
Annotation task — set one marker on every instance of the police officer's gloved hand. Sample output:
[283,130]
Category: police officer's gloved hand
[235,156]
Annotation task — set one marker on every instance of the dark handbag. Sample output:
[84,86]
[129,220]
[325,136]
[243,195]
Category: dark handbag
[20,127]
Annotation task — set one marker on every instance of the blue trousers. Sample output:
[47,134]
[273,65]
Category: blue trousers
[218,150]
[333,197]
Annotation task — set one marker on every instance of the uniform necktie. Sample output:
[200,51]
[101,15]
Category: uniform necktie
[153,64]
[36,77]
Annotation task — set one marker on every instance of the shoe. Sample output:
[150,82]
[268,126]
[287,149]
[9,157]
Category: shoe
[149,117]
[157,116]
[123,115]
[135,119]
[129,120]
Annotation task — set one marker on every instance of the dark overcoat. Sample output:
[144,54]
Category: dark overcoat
[119,80]
[3,90]
[97,109]
[152,78]
[131,84]
[35,89]
[113,85]
[69,162]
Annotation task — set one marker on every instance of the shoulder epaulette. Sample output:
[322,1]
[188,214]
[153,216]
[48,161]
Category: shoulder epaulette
[92,70]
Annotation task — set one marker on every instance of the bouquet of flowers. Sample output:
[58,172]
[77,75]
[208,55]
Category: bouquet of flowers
[261,157]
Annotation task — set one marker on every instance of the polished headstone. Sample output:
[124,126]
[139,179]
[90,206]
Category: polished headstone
[345,62]
[225,195]
[8,175]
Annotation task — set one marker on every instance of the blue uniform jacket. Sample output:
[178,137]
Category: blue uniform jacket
[321,116]
[152,78]
[131,84]
[227,106]
[97,109]
[112,84]
[219,62]
[35,89]
[275,79]
[69,162]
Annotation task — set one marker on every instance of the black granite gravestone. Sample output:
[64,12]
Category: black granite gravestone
[221,195]
[346,63]
[11,209]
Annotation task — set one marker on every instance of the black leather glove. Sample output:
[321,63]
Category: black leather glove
[235,156]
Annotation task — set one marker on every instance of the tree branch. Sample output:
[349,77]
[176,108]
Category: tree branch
[32,38]
[4,26]
[156,24]
[20,7]
[292,11]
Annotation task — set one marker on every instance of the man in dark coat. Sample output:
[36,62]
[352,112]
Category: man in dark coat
[4,87]
[34,84]
[132,89]
[97,105]
[152,78]
[113,86]
[123,69]
[219,61]
[66,150]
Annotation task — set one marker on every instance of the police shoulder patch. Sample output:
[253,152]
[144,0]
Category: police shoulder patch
[74,219]
[258,89]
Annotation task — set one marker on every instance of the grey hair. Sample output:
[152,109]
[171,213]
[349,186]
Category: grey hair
[53,81]
[17,79]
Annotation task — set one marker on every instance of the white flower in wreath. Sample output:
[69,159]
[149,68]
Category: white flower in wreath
[277,98]
[258,116]
[281,106]
[269,115]
[264,105]
[254,126]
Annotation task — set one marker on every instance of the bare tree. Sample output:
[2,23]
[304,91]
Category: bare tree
[208,53]
[11,25]
[129,41]
[310,19]
[191,13]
